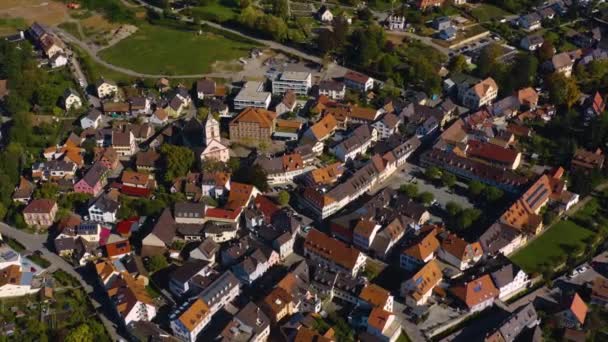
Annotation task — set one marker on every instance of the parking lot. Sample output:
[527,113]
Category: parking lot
[411,173]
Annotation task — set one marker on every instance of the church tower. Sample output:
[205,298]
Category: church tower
[212,129]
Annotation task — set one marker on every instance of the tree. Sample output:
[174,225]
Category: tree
[546,51]
[366,45]
[432,173]
[492,194]
[453,209]
[280,8]
[81,334]
[177,161]
[426,198]
[202,113]
[411,190]
[458,64]
[487,59]
[524,70]
[448,179]
[157,263]
[47,191]
[254,175]
[467,217]
[283,198]
[476,188]
[234,164]
[562,90]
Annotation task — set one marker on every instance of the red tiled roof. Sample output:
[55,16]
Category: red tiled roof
[133,191]
[492,152]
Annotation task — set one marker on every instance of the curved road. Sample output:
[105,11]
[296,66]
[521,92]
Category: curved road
[271,44]
[36,242]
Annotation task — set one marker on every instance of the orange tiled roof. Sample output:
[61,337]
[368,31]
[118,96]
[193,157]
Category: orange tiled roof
[331,249]
[476,291]
[137,178]
[461,249]
[264,118]
[483,87]
[324,127]
[421,250]
[195,314]
[426,279]
[292,162]
[239,195]
[375,295]
[578,308]
[378,318]
[328,174]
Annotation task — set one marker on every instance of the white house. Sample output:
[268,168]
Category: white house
[71,100]
[480,94]
[509,280]
[357,143]
[325,15]
[476,295]
[357,81]
[190,319]
[58,60]
[106,88]
[89,231]
[333,89]
[364,233]
[159,117]
[103,209]
[531,43]
[395,23]
[91,120]
[387,125]
[459,253]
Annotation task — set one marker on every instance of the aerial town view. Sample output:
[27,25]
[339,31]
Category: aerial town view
[303,170]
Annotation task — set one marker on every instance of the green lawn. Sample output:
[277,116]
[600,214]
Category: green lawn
[556,243]
[11,25]
[486,12]
[216,11]
[161,50]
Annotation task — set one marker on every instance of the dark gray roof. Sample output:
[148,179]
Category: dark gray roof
[65,244]
[253,317]
[105,203]
[189,210]
[496,237]
[188,270]
[525,317]
[331,85]
[95,174]
[205,86]
[505,275]
[165,227]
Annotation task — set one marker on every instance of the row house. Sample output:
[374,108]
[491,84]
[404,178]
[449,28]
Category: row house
[522,319]
[457,252]
[255,265]
[249,324]
[357,143]
[325,203]
[336,255]
[282,169]
[192,317]
[509,280]
[93,181]
[418,289]
[54,170]
[422,251]
[128,294]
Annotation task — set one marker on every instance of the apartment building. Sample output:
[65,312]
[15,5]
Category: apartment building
[297,81]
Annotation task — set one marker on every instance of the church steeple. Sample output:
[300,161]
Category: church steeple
[212,129]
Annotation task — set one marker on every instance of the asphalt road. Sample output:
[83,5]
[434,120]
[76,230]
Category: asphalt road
[36,242]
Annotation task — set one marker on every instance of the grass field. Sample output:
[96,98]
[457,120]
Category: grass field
[216,11]
[11,25]
[160,50]
[43,11]
[554,244]
[486,12]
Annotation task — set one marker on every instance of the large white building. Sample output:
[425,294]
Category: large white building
[252,95]
[298,81]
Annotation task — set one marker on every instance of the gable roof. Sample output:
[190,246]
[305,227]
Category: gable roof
[475,291]
[322,128]
[426,279]
[375,295]
[194,314]
[40,206]
[425,247]
[264,118]
[331,249]
[483,87]
[578,308]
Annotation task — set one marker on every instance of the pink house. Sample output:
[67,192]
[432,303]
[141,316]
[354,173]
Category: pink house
[93,181]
